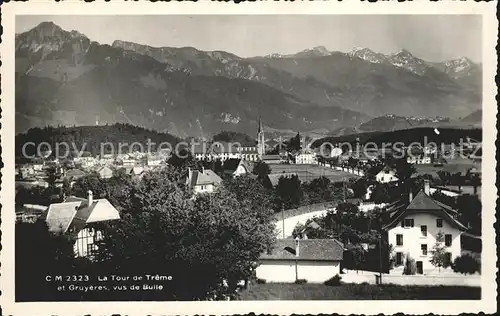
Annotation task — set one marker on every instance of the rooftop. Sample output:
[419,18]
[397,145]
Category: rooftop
[309,249]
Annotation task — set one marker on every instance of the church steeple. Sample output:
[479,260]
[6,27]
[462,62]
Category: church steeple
[260,140]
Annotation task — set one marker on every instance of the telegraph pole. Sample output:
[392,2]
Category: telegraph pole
[283,219]
[380,250]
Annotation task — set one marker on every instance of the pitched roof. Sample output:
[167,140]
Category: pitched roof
[196,177]
[74,214]
[309,249]
[75,173]
[422,203]
[60,215]
[232,164]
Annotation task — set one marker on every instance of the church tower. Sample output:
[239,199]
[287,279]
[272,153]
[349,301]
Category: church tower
[261,150]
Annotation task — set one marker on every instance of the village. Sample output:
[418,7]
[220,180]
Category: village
[367,218]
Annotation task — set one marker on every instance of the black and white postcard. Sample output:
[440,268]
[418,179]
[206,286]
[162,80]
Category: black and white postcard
[212,158]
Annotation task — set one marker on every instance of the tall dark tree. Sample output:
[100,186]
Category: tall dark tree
[261,169]
[295,143]
[289,192]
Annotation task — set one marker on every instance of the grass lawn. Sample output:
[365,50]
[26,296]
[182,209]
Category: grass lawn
[285,291]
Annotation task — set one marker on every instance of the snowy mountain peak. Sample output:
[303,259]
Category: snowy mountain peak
[404,59]
[321,50]
[367,54]
[458,65]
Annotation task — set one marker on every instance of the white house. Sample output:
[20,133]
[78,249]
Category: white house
[203,181]
[105,172]
[305,158]
[386,175]
[419,159]
[77,216]
[413,227]
[315,260]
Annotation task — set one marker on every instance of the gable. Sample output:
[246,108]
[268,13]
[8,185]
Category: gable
[423,202]
[103,211]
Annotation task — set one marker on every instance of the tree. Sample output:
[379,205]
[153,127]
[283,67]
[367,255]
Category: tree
[66,189]
[261,169]
[404,171]
[438,252]
[466,264]
[207,244]
[91,182]
[380,193]
[289,192]
[354,257]
[410,267]
[39,253]
[319,190]
[444,176]
[51,177]
[470,210]
[295,143]
[347,212]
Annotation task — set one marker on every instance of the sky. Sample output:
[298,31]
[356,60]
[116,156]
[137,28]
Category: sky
[430,37]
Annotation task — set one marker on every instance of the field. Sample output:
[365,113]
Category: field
[308,173]
[279,291]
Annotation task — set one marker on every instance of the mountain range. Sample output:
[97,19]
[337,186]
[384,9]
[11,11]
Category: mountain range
[65,78]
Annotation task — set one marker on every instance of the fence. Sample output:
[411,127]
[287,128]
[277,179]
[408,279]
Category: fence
[455,279]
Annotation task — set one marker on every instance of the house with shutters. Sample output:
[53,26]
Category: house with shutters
[414,224]
[80,217]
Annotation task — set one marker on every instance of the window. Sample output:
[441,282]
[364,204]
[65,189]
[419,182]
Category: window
[423,229]
[447,240]
[399,258]
[448,258]
[424,249]
[409,222]
[399,240]
[439,222]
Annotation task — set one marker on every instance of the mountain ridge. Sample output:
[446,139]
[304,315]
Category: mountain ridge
[320,90]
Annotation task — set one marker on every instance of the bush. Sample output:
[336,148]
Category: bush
[466,264]
[410,266]
[261,281]
[300,281]
[334,281]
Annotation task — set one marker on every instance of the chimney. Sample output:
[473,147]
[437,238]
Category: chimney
[297,246]
[410,196]
[91,197]
[427,187]
[203,169]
